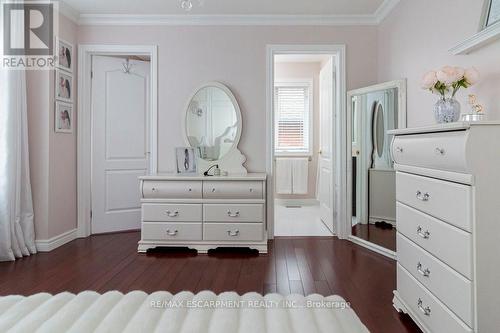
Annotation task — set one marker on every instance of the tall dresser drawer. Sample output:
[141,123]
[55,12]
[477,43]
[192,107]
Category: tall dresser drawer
[451,245]
[450,287]
[233,190]
[172,189]
[442,151]
[233,212]
[432,312]
[233,231]
[172,212]
[450,202]
[171,231]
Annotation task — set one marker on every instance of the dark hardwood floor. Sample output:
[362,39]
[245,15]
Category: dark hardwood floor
[376,235]
[294,265]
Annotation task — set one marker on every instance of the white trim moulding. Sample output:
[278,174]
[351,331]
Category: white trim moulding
[217,20]
[231,20]
[47,245]
[474,42]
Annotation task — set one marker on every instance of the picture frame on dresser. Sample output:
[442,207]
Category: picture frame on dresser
[186,160]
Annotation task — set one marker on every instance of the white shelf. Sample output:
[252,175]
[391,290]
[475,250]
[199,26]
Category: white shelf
[482,38]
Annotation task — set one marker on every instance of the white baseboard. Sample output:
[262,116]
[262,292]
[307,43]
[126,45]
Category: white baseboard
[296,202]
[47,245]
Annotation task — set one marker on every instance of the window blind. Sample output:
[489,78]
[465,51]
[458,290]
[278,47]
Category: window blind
[292,114]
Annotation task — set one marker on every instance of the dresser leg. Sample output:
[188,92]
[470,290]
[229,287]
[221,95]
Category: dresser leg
[398,305]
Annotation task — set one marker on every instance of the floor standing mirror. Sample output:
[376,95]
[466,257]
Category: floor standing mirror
[372,111]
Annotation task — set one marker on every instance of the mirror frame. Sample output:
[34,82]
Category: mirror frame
[228,161]
[402,123]
[379,110]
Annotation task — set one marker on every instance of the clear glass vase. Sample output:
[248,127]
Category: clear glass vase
[447,110]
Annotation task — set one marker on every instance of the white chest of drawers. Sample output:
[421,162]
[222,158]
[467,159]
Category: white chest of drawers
[203,212]
[448,222]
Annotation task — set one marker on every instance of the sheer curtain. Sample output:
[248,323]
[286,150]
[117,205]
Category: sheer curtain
[17,235]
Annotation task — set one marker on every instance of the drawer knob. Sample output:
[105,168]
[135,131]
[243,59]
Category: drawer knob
[424,234]
[424,272]
[422,196]
[190,190]
[172,233]
[440,151]
[172,214]
[233,233]
[153,189]
[250,189]
[231,214]
[213,190]
[425,310]
[399,149]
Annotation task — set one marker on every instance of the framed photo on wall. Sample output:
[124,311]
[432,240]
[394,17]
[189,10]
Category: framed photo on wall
[64,53]
[186,159]
[63,117]
[63,86]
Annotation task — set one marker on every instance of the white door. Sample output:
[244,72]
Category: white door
[120,145]
[326,176]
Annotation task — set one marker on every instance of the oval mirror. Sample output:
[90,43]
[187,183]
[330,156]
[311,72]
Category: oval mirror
[213,121]
[379,130]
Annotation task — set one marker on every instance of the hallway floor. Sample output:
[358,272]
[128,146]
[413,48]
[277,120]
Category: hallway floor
[298,221]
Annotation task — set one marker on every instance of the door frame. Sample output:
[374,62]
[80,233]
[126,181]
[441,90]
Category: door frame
[84,121]
[402,123]
[338,51]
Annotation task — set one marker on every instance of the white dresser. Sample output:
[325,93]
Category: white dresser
[448,222]
[203,212]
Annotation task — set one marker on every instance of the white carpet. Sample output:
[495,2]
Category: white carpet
[180,313]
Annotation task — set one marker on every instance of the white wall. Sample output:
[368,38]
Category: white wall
[415,38]
[296,70]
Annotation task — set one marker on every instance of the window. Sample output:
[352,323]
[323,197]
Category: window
[293,118]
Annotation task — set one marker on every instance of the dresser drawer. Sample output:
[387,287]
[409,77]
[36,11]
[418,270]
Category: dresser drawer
[233,212]
[442,151]
[160,231]
[233,190]
[233,231]
[450,287]
[172,212]
[171,189]
[450,202]
[432,312]
[451,245]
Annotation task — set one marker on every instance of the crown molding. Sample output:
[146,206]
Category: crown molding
[68,12]
[229,20]
[385,9]
[204,20]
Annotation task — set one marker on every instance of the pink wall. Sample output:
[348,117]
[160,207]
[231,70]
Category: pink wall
[289,71]
[62,176]
[416,37]
[236,56]
[52,155]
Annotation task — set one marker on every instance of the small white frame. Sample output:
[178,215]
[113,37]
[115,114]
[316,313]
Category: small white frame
[57,73]
[70,106]
[72,54]
[84,153]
